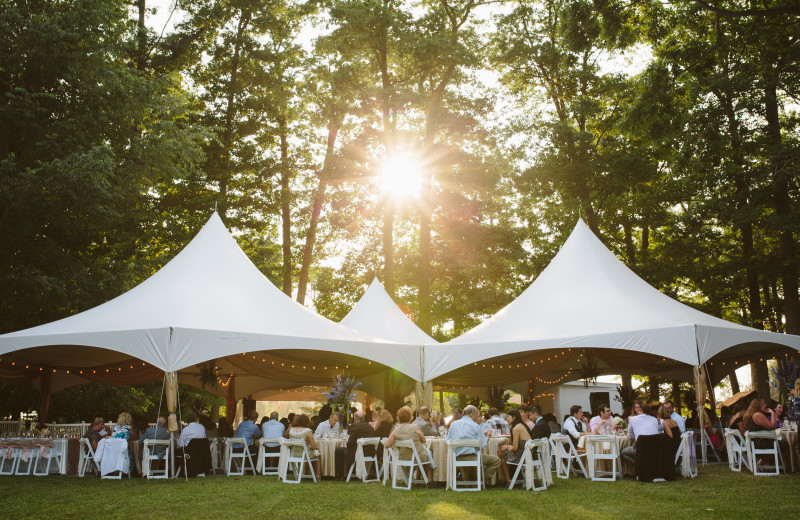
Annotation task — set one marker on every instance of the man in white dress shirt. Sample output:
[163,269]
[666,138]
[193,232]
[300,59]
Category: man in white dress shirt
[469,427]
[675,416]
[193,430]
[642,424]
[326,427]
[576,425]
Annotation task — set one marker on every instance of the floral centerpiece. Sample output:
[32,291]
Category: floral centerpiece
[342,392]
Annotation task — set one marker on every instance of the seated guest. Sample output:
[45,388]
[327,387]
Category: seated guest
[670,427]
[315,422]
[330,425]
[405,430]
[192,430]
[454,416]
[345,457]
[527,416]
[225,429]
[436,419]
[122,430]
[423,421]
[301,429]
[384,429]
[675,416]
[96,432]
[755,420]
[469,427]
[272,429]
[249,431]
[541,429]
[208,424]
[576,425]
[602,420]
[157,432]
[520,434]
[642,424]
[552,422]
[735,421]
[497,422]
[779,415]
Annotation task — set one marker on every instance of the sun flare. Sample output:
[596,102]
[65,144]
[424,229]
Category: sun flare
[401,177]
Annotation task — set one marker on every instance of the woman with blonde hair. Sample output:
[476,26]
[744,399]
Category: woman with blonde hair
[122,429]
[404,430]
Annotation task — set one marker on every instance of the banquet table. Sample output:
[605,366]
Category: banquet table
[605,465]
[68,450]
[792,462]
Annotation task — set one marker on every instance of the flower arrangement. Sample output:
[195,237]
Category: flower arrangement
[342,391]
[783,378]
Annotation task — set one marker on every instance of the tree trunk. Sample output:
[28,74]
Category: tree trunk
[45,383]
[645,249]
[319,199]
[759,375]
[676,395]
[769,309]
[630,249]
[141,61]
[286,209]
[388,246]
[782,203]
[734,382]
[227,136]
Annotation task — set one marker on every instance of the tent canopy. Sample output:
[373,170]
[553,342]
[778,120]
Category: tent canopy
[587,298]
[376,314]
[208,302]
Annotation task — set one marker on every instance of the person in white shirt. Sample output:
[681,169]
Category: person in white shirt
[642,424]
[576,426]
[675,416]
[497,422]
[193,430]
[326,427]
[602,419]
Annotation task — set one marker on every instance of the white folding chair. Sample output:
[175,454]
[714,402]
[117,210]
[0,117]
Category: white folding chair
[269,455]
[753,452]
[530,464]
[565,455]
[737,451]
[25,467]
[684,455]
[413,464]
[703,442]
[51,454]
[108,450]
[9,465]
[149,456]
[297,457]
[360,464]
[595,450]
[241,457]
[86,460]
[454,465]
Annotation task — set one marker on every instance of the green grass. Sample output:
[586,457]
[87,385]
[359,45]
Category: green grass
[715,493]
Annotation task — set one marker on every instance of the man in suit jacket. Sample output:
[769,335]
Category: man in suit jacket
[345,457]
[541,430]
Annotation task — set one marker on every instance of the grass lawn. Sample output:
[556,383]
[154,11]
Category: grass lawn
[715,493]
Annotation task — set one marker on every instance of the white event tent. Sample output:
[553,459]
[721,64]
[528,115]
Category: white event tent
[587,298]
[377,314]
[208,302]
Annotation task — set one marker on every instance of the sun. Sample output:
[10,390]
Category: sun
[401,177]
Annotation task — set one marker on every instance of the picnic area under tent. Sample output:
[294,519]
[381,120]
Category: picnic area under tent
[588,314]
[208,308]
